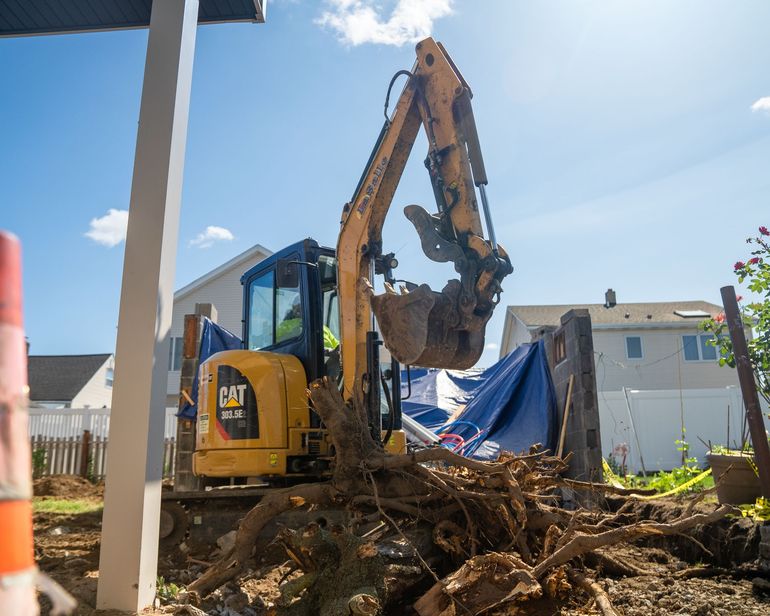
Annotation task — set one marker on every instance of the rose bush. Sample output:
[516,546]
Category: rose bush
[755,273]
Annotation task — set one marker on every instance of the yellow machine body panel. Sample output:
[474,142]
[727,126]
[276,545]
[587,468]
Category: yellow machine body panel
[253,417]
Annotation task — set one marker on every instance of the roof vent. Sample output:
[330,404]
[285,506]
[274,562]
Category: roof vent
[609,299]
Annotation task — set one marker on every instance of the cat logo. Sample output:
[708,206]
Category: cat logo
[237,416]
[232,396]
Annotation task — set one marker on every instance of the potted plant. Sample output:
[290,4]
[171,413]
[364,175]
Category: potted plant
[735,474]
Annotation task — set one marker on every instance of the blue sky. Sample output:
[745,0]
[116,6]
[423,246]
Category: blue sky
[619,137]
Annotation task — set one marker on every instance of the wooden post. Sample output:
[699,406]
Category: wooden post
[184,479]
[748,388]
[86,445]
[17,562]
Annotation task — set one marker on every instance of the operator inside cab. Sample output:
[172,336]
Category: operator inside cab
[291,327]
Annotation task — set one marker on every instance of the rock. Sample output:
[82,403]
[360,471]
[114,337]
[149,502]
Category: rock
[72,563]
[226,541]
[760,585]
[237,602]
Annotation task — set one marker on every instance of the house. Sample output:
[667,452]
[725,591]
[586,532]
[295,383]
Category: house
[71,381]
[650,345]
[658,380]
[220,287]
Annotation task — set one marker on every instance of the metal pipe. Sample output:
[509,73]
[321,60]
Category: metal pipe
[748,388]
[488,217]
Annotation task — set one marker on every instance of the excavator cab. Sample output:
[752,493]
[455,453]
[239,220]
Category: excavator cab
[290,306]
[254,419]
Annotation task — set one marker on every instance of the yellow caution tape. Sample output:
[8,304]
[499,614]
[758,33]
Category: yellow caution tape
[612,479]
[678,489]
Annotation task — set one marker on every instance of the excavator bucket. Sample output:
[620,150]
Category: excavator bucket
[421,328]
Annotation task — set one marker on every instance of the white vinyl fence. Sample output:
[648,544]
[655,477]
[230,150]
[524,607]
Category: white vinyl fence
[74,441]
[647,423]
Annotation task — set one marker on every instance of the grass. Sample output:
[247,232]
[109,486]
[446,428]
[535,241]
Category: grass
[64,506]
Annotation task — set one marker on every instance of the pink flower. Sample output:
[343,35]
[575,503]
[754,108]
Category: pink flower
[739,265]
[720,318]
[754,261]
[764,231]
[738,298]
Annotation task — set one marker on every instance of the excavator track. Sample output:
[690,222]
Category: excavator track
[193,521]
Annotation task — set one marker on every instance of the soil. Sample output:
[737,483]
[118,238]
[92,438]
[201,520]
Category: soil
[67,486]
[67,549]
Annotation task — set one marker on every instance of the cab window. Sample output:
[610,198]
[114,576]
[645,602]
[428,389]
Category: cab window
[261,311]
[288,312]
[327,268]
[275,314]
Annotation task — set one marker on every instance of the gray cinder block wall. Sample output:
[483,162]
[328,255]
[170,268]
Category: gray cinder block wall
[570,351]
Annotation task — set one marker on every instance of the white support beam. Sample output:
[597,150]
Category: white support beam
[129,549]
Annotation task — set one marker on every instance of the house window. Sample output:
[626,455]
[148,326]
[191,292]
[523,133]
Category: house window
[697,348]
[109,377]
[175,354]
[634,347]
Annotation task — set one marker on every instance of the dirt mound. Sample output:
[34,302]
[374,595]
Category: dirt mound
[67,486]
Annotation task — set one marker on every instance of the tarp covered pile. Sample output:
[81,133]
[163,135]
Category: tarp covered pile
[509,406]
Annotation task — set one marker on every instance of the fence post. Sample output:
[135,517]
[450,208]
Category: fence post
[84,453]
[17,563]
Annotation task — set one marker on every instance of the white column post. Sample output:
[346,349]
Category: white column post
[129,550]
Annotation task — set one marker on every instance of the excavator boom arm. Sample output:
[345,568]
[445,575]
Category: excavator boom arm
[421,327]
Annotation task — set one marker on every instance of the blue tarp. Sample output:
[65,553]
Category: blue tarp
[513,403]
[213,340]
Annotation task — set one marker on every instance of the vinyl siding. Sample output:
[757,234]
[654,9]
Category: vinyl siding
[225,292]
[662,365]
[96,393]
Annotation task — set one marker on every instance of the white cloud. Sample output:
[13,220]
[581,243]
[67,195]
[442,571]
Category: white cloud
[492,346]
[361,21]
[763,104]
[211,235]
[110,229]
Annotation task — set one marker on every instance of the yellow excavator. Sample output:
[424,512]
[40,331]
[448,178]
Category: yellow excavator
[311,311]
[253,415]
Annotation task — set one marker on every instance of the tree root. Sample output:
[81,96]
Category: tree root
[495,524]
[235,560]
[595,591]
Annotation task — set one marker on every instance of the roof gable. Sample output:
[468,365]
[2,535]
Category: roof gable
[61,377]
[236,262]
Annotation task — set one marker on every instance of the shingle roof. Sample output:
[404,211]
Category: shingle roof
[632,314]
[61,377]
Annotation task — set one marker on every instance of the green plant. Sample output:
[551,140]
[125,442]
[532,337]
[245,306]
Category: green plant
[759,511]
[722,450]
[756,314]
[166,591]
[38,462]
[665,481]
[616,467]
